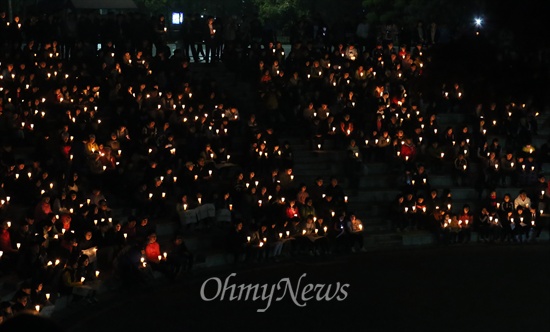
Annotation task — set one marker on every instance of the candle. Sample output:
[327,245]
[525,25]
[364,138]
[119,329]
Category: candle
[96,273]
[345,199]
[160,257]
[199,200]
[125,235]
[57,261]
[325,229]
[18,245]
[165,254]
[248,239]
[82,279]
[163,195]
[287,233]
[48,294]
[304,232]
[280,235]
[260,202]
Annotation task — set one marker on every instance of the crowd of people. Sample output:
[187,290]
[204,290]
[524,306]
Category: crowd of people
[369,101]
[93,121]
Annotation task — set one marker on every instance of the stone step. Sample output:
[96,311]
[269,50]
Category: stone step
[451,119]
[380,195]
[303,176]
[307,168]
[318,155]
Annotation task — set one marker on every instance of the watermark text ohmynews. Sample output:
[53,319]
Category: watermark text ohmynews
[299,292]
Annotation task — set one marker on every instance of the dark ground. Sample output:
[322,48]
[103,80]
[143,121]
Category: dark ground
[465,288]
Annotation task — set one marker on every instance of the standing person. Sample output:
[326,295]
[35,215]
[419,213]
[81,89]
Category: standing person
[160,33]
[187,38]
[210,41]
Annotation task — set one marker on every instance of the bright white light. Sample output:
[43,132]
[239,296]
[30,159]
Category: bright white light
[478,21]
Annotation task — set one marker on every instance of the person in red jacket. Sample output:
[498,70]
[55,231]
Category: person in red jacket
[152,250]
[5,239]
[155,258]
[408,150]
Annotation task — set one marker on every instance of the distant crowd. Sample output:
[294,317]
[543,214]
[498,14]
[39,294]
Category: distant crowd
[102,138]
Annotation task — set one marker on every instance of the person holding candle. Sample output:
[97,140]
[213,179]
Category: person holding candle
[519,226]
[465,220]
[492,202]
[43,208]
[154,256]
[291,210]
[130,229]
[69,284]
[354,231]
[420,218]
[461,170]
[10,253]
[307,209]
[421,180]
[483,224]
[492,170]
[509,169]
[533,225]
[522,200]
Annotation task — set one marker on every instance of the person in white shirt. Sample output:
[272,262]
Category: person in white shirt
[522,200]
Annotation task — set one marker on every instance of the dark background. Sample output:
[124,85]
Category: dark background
[463,288]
